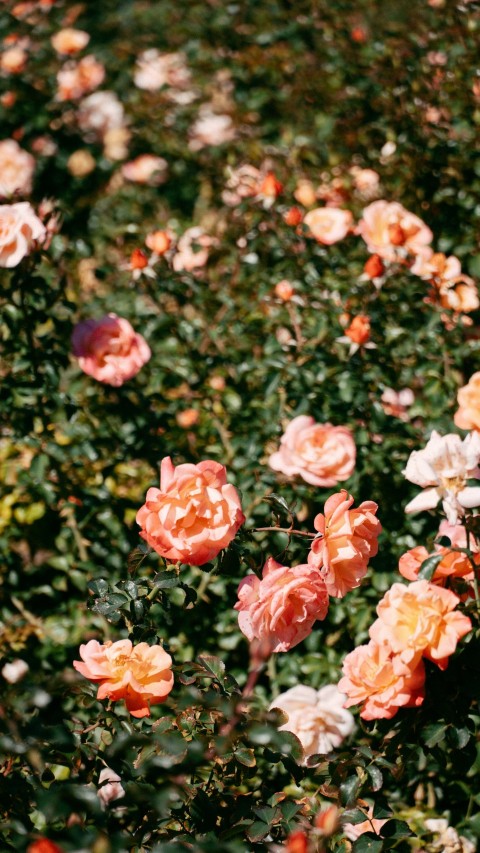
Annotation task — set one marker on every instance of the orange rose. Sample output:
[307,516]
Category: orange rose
[141,674]
[359,329]
[468,414]
[158,242]
[77,79]
[44,845]
[69,41]
[454,564]
[391,231]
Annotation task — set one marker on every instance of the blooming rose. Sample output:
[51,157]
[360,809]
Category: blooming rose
[19,228]
[316,717]
[436,266]
[141,674]
[243,182]
[417,620]
[16,169]
[329,224]
[111,787]
[359,329]
[391,231]
[397,403]
[454,564]
[444,465]
[193,515]
[13,60]
[76,79]
[468,414]
[459,295]
[146,169]
[282,607]
[383,682]
[348,538]
[109,349]
[210,129]
[154,70]
[69,41]
[322,454]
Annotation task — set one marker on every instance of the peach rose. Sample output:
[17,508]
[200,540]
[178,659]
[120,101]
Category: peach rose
[322,454]
[419,619]
[109,349]
[77,79]
[193,515]
[459,295]
[329,224]
[154,70]
[317,717]
[193,249]
[16,169]
[69,41]
[20,227]
[391,231]
[381,682]
[146,169]
[158,242]
[210,129]
[141,674]
[467,415]
[99,113]
[281,608]
[13,60]
[347,540]
[359,329]
[454,564]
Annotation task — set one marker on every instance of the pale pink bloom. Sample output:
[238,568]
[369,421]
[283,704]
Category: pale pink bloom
[366,181]
[141,674]
[391,231]
[77,79]
[194,514]
[192,250]
[210,129]
[455,564]
[16,169]
[99,113]
[69,41]
[154,70]
[442,468]
[381,681]
[110,787]
[322,454]
[146,169]
[467,415]
[448,840]
[15,670]
[329,224]
[352,831]
[20,227]
[317,717]
[347,540]
[397,403]
[109,349]
[243,182]
[281,608]
[420,620]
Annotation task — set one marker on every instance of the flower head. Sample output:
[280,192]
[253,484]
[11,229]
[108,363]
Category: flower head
[109,349]
[16,169]
[20,228]
[322,454]
[467,415]
[392,232]
[328,225]
[317,717]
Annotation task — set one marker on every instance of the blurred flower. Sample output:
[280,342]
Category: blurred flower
[210,129]
[282,607]
[359,329]
[444,465]
[270,187]
[16,169]
[317,717]
[13,60]
[396,403]
[110,786]
[193,515]
[158,242]
[352,831]
[20,228]
[454,564]
[348,538]
[15,671]
[146,169]
[459,295]
[391,231]
[44,845]
[192,250]
[115,143]
[322,454]
[305,193]
[329,224]
[187,418]
[154,70]
[448,840]
[436,266]
[326,820]
[418,620]
[296,842]
[374,267]
[77,79]
[293,216]
[366,181]
[243,182]
[467,415]
[380,681]
[69,41]
[99,113]
[284,290]
[141,674]
[81,163]
[139,265]
[109,349]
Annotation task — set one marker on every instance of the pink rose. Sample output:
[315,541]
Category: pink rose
[193,515]
[146,169]
[16,169]
[391,231]
[317,717]
[348,538]
[282,607]
[19,228]
[76,79]
[109,349]
[321,454]
[329,224]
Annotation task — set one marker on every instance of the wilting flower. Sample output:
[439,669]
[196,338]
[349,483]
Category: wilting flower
[146,169]
[322,454]
[454,564]
[77,79]
[391,231]
[397,403]
[154,70]
[381,681]
[193,515]
[109,349]
[141,674]
[20,227]
[467,415]
[329,224]
[69,41]
[16,169]
[110,787]
[317,717]
[420,620]
[442,468]
[348,538]
[281,608]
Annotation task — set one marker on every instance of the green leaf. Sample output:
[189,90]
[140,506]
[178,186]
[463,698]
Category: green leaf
[376,777]
[257,831]
[427,569]
[166,580]
[213,666]
[396,829]
[349,791]
[434,734]
[98,587]
[245,756]
[367,843]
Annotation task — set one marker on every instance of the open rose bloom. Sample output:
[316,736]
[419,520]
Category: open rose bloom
[141,674]
[347,540]
[467,415]
[454,564]
[329,224]
[322,454]
[392,232]
[193,515]
[317,717]
[16,169]
[20,228]
[281,608]
[109,349]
